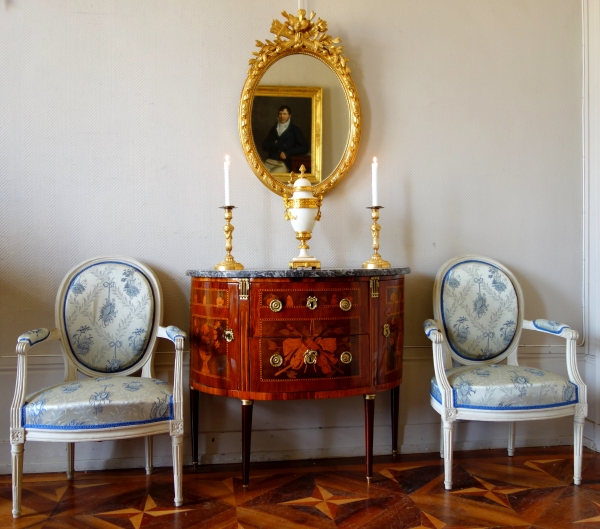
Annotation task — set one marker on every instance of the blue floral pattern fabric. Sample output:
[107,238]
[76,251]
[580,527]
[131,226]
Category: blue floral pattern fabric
[109,312]
[429,326]
[99,403]
[499,387]
[35,336]
[479,310]
[550,326]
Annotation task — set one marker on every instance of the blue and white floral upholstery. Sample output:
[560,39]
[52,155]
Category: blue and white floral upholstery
[478,309]
[503,387]
[108,315]
[108,320]
[102,402]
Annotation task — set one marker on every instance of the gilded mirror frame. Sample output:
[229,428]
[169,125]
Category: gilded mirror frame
[299,35]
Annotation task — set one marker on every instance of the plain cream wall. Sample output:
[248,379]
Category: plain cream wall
[115,116]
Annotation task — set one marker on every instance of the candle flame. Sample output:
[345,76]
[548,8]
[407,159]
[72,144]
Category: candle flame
[374,159]
[227,157]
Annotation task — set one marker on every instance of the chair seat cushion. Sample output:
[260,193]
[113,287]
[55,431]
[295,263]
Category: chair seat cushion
[104,402]
[503,387]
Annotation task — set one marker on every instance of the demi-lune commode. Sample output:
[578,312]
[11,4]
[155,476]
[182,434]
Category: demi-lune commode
[296,334]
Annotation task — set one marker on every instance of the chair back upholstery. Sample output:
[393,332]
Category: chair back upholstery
[480,307]
[109,310]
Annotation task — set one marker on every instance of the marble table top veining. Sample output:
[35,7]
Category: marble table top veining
[286,272]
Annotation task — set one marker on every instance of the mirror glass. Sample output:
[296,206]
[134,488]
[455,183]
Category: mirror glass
[328,141]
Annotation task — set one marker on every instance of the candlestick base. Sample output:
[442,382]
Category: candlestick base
[228,263]
[376,260]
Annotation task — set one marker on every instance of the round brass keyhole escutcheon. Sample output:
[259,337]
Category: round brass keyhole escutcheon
[310,356]
[276,360]
[311,302]
[386,330]
[228,334]
[346,357]
[345,304]
[276,305]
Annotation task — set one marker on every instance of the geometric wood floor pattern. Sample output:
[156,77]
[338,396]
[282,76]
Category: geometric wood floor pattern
[532,490]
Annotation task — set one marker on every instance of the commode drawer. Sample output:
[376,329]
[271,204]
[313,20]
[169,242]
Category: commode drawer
[341,303]
[300,363]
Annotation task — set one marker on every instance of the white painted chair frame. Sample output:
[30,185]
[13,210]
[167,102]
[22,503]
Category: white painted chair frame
[18,434]
[442,359]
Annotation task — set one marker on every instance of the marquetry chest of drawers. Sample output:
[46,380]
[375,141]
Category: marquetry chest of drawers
[296,334]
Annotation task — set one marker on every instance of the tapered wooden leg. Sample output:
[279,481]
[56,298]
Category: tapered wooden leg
[194,404]
[369,416]
[177,450]
[442,439]
[70,460]
[149,454]
[246,438]
[395,398]
[17,477]
[448,428]
[578,423]
[512,431]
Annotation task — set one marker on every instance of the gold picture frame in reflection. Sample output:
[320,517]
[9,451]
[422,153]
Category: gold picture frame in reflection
[287,130]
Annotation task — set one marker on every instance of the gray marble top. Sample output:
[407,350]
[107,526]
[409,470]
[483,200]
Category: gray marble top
[286,272]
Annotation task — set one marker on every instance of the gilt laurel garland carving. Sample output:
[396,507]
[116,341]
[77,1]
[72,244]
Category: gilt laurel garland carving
[304,35]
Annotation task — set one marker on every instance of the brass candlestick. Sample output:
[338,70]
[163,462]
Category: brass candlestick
[229,263]
[376,261]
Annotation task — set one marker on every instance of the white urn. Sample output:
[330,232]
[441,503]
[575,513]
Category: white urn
[303,209]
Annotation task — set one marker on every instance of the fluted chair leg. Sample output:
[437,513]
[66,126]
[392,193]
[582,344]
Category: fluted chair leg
[512,431]
[177,445]
[17,477]
[442,439]
[149,454]
[577,448]
[448,436]
[70,460]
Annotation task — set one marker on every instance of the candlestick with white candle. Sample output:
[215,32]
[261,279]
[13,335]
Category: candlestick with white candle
[375,198]
[226,170]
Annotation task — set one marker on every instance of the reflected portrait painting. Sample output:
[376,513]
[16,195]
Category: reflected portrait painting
[286,127]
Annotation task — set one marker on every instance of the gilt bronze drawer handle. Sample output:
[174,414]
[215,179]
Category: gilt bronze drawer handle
[310,356]
[346,357]
[228,334]
[276,360]
[345,304]
[275,305]
[311,302]
[386,330]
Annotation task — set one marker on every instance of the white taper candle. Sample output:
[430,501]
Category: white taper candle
[226,170]
[375,198]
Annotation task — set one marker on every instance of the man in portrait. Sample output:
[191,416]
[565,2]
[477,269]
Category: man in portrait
[283,140]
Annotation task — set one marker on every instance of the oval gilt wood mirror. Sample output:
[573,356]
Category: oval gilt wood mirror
[299,106]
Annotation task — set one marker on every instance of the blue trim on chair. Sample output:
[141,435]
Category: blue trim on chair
[150,331]
[28,340]
[450,343]
[96,426]
[546,329]
[541,406]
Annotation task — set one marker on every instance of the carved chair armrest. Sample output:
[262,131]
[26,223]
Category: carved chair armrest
[177,336]
[24,342]
[551,327]
[172,333]
[570,335]
[30,338]
[431,329]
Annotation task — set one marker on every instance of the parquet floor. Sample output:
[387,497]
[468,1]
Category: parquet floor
[532,490]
